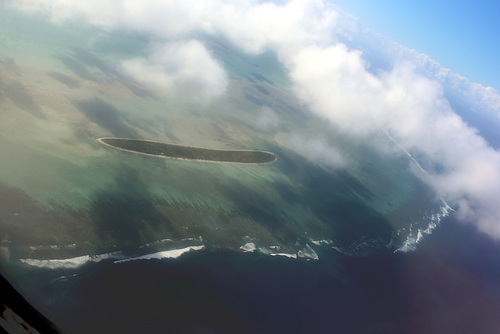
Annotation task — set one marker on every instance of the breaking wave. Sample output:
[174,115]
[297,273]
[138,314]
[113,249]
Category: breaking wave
[119,256]
[306,252]
[169,254]
[415,236]
[71,263]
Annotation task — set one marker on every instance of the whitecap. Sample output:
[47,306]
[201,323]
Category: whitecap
[248,247]
[321,242]
[292,256]
[169,254]
[70,263]
[308,253]
[413,239]
[62,278]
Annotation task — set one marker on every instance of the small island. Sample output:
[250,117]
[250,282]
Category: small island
[165,150]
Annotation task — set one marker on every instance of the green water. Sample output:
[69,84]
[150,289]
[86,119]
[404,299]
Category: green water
[60,89]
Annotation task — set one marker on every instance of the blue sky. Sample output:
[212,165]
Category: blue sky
[461,35]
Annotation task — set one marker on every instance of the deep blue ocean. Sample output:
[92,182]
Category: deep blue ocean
[449,284]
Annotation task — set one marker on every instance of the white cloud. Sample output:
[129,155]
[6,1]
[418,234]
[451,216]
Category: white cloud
[405,97]
[165,18]
[267,119]
[335,84]
[256,27]
[179,67]
[251,25]
[334,81]
[316,149]
[486,98]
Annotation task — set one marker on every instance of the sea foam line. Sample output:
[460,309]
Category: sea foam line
[306,253]
[71,263]
[321,242]
[169,254]
[413,239]
[119,257]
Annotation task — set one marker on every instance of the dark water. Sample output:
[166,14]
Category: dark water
[450,284]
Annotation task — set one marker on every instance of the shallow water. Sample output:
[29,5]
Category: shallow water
[67,198]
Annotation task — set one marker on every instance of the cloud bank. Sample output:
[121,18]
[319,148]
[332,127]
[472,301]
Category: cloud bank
[364,87]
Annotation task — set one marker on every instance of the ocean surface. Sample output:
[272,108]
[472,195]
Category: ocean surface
[336,236]
[449,284]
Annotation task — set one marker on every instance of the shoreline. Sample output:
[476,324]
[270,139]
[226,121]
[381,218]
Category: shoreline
[101,140]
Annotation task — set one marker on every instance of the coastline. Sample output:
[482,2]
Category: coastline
[101,140]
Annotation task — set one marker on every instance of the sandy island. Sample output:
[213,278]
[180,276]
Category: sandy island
[181,152]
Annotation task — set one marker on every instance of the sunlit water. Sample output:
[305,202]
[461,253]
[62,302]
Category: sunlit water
[71,206]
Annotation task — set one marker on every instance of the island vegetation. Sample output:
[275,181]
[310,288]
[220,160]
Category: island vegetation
[166,150]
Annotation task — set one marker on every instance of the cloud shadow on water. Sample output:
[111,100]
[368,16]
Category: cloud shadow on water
[105,115]
[77,68]
[261,89]
[64,79]
[254,100]
[253,205]
[89,59]
[82,61]
[336,198]
[262,78]
[126,214]
[18,94]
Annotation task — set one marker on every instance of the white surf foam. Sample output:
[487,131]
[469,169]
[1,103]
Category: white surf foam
[248,247]
[341,251]
[156,243]
[308,253]
[321,242]
[62,278]
[70,263]
[292,256]
[414,237]
[169,254]
[77,262]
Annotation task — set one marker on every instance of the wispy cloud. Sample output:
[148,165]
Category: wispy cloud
[361,86]
[179,67]
[267,119]
[317,149]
